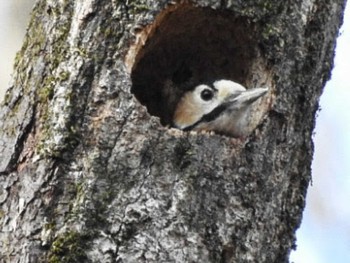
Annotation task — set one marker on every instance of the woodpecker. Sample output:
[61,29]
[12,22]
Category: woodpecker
[222,107]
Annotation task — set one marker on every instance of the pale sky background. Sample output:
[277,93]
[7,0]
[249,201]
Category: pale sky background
[324,236]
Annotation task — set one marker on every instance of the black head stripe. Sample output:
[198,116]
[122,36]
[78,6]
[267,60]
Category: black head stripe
[212,87]
[209,116]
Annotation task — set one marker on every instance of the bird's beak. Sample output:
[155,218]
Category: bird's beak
[247,97]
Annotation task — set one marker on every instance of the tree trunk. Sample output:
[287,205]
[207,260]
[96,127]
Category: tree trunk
[88,175]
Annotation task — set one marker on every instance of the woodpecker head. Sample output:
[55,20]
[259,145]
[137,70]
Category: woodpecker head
[221,107]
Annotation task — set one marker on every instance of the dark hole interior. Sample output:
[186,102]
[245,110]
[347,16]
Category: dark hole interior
[188,46]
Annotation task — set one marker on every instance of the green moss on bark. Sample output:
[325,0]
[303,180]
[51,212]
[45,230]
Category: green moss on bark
[68,248]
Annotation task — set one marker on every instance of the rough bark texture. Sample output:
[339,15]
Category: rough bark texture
[88,175]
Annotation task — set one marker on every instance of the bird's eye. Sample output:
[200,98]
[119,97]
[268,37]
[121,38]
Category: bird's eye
[207,94]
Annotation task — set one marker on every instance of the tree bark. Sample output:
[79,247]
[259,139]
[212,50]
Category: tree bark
[88,175]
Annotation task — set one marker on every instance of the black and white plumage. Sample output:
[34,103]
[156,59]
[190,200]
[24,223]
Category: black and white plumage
[222,107]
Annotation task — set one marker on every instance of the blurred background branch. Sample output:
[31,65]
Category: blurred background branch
[14,16]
